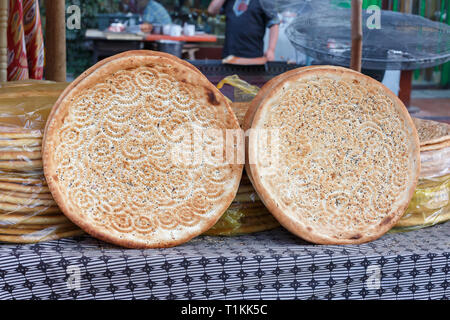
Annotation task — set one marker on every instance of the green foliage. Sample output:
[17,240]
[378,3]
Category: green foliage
[108,6]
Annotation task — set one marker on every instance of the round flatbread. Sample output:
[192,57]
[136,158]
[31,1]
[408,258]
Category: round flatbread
[436,146]
[112,151]
[11,207]
[30,226]
[22,230]
[20,149]
[434,163]
[40,196]
[263,92]
[22,180]
[19,134]
[33,239]
[254,104]
[32,142]
[30,201]
[21,165]
[9,186]
[334,155]
[431,132]
[12,219]
[22,156]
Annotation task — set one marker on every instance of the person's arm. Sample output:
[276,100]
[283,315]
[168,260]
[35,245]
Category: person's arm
[273,38]
[146,27]
[214,7]
[147,17]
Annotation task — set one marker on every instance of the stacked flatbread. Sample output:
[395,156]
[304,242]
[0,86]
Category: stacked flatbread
[333,154]
[434,147]
[28,212]
[431,201]
[247,213]
[122,154]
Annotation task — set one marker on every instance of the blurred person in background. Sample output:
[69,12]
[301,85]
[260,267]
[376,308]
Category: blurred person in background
[246,24]
[154,13]
[133,6]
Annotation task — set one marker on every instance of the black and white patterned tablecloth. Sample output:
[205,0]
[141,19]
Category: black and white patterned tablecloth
[267,265]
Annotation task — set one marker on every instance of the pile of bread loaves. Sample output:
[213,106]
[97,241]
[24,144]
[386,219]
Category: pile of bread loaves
[143,151]
[28,212]
[431,201]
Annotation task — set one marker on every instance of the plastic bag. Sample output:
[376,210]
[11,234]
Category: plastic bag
[243,91]
[28,212]
[430,205]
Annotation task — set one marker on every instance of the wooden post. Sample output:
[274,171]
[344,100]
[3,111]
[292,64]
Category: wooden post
[55,40]
[406,6]
[3,40]
[405,86]
[357,34]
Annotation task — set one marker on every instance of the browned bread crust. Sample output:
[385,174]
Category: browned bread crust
[349,156]
[106,151]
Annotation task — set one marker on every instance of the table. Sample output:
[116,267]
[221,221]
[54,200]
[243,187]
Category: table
[403,41]
[196,38]
[110,43]
[267,265]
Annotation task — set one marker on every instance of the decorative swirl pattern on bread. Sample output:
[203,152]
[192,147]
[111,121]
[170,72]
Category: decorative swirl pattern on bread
[432,132]
[110,147]
[347,160]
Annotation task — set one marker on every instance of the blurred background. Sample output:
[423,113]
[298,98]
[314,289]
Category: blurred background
[100,14]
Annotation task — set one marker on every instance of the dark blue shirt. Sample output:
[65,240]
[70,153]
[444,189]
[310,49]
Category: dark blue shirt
[246,24]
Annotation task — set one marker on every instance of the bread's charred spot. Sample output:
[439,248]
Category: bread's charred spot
[55,178]
[386,221]
[212,97]
[356,237]
[63,118]
[309,229]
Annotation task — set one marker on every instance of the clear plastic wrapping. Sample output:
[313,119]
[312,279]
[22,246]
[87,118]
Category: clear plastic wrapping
[435,163]
[430,204]
[243,91]
[28,212]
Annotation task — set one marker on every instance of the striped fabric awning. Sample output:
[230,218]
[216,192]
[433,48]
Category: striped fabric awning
[25,41]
